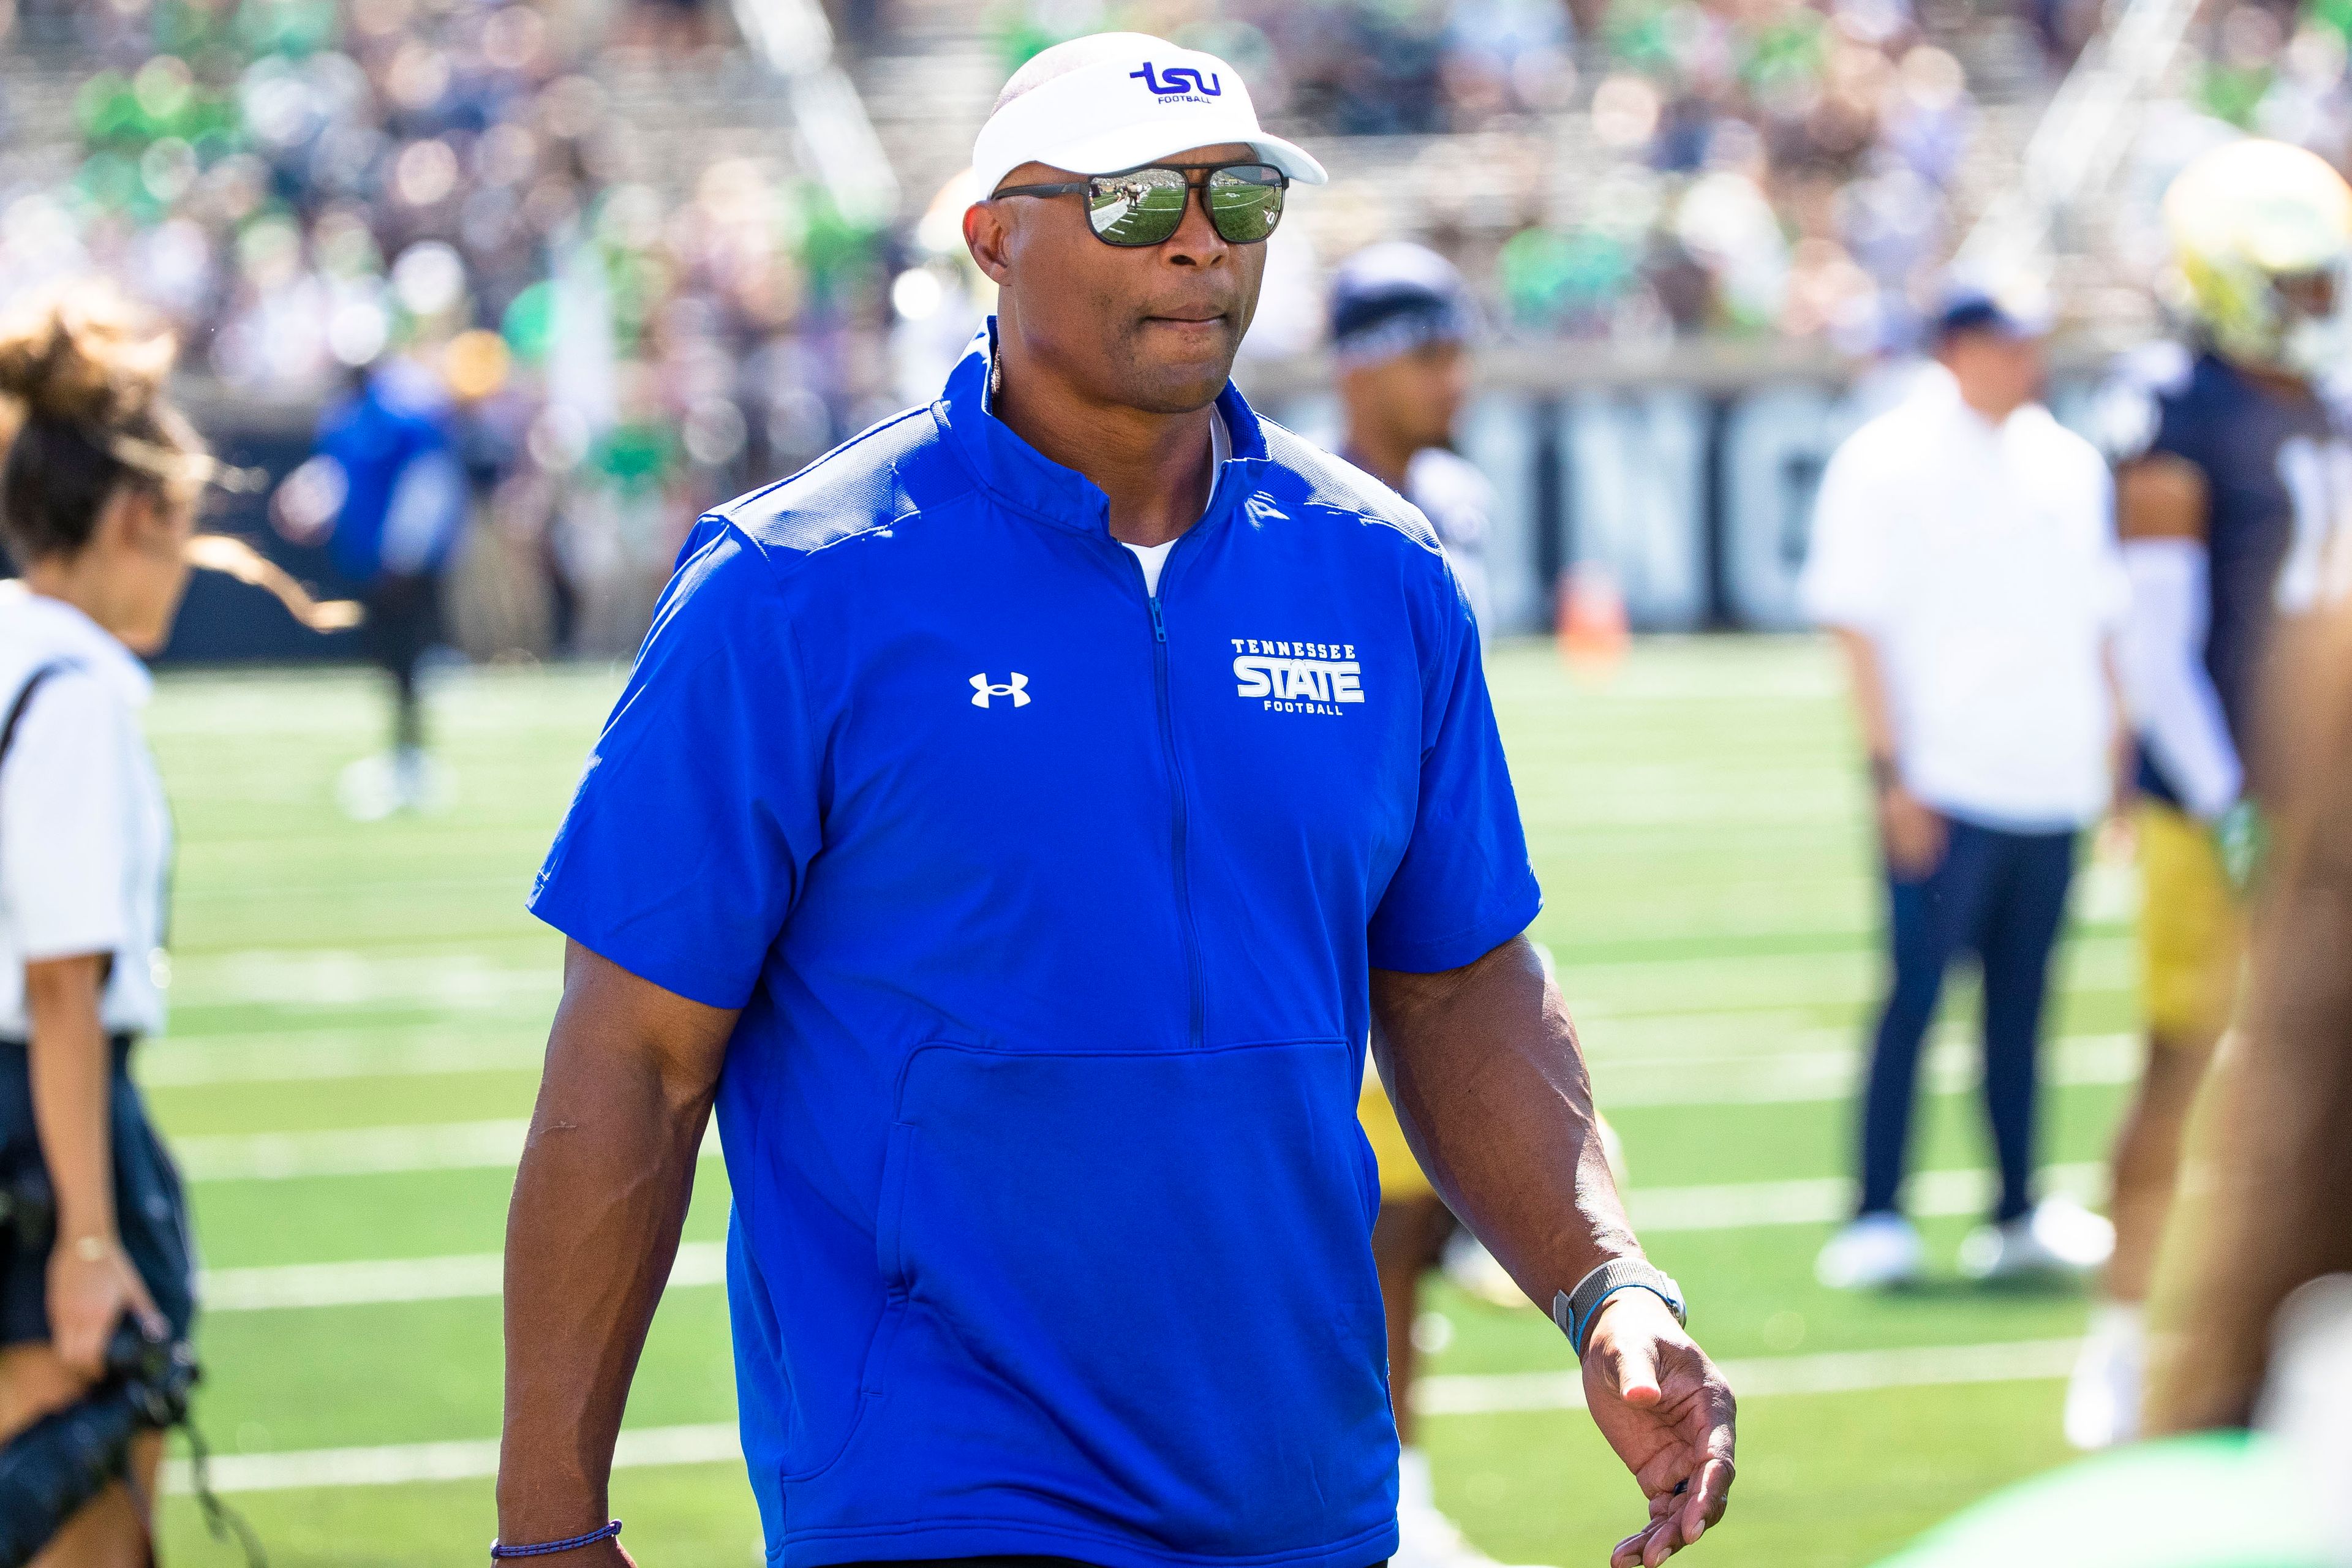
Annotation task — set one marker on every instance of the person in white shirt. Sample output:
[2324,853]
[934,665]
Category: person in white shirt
[1963,553]
[98,487]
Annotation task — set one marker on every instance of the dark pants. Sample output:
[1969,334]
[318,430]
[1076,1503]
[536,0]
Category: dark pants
[2002,896]
[404,620]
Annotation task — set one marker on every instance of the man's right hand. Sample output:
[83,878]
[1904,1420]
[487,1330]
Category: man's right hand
[1912,831]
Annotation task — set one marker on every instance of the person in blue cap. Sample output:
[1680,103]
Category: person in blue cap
[1964,555]
[393,485]
[1019,824]
[1401,329]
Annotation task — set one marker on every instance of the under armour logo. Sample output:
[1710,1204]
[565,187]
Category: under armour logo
[983,692]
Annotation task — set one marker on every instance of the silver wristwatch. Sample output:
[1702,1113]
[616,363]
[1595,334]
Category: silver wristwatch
[1574,1310]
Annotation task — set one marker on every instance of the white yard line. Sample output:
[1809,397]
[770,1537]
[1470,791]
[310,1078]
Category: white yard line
[1733,1206]
[361,1151]
[1833,1372]
[497,1145]
[311,1056]
[457,979]
[1802,1077]
[375,1282]
[1809,1064]
[1748,1206]
[1839,1372]
[468,980]
[351,1151]
[407,1464]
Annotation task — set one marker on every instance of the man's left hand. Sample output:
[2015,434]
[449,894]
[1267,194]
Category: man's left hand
[1669,1415]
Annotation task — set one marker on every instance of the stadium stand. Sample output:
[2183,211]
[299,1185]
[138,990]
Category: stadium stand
[1709,195]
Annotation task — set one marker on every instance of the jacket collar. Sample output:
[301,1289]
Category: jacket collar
[52,631]
[1017,472]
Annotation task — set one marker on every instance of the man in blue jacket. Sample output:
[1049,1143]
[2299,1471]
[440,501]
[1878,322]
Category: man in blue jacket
[1018,823]
[389,446]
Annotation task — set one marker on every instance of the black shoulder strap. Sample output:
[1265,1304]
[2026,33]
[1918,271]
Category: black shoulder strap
[24,697]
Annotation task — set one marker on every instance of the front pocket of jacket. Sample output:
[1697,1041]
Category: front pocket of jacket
[1150,1276]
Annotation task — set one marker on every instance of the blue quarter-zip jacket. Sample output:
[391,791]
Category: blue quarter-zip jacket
[1050,908]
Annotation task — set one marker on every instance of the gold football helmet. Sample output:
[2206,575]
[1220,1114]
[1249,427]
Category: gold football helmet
[2261,234]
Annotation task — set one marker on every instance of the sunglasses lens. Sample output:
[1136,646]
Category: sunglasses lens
[1143,207]
[1245,202]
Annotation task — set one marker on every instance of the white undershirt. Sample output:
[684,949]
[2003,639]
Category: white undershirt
[1155,556]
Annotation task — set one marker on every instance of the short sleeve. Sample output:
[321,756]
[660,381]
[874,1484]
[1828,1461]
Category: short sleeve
[694,822]
[1464,886]
[1845,581]
[63,822]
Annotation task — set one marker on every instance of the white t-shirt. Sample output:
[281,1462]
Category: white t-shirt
[1155,556]
[85,834]
[1981,562]
[1459,502]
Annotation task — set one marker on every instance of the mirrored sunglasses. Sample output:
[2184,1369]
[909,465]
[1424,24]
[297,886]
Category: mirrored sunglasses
[1146,207]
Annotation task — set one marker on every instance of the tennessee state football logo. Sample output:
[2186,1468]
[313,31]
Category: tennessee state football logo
[1177,80]
[1298,677]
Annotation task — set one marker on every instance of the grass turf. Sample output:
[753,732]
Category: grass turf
[1696,821]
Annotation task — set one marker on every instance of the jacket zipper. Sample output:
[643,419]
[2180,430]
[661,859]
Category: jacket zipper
[1176,795]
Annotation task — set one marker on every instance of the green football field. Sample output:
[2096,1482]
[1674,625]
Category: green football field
[358,1014]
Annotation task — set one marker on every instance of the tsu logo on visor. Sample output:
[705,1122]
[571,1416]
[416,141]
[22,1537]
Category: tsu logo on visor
[1178,81]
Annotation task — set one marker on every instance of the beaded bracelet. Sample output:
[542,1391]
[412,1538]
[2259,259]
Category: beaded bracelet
[546,1548]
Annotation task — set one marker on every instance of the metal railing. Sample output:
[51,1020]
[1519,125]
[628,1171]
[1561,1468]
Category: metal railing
[2081,138]
[795,41]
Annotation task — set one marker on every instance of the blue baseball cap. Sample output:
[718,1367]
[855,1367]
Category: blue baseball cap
[2018,311]
[1391,298]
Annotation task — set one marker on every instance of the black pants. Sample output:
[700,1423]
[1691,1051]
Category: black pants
[151,1206]
[404,620]
[2002,896]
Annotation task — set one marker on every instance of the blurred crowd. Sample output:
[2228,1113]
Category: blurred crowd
[2281,73]
[310,189]
[1775,168]
[1747,166]
[1356,68]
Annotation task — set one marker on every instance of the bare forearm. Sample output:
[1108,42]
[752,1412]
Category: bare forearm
[2123,746]
[1874,715]
[592,1232]
[72,1068]
[1491,1088]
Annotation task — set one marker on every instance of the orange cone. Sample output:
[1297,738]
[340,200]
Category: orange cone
[1593,630]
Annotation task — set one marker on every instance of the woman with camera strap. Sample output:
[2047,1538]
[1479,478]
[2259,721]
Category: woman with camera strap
[99,490]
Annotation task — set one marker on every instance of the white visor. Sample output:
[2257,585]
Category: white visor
[1136,99]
